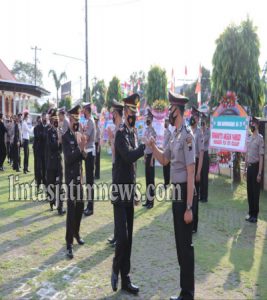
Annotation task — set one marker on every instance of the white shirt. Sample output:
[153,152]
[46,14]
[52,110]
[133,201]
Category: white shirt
[25,131]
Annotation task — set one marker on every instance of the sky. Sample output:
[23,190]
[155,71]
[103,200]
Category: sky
[124,35]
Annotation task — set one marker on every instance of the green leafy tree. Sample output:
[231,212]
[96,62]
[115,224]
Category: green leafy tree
[236,66]
[136,77]
[57,80]
[25,72]
[99,92]
[114,91]
[156,84]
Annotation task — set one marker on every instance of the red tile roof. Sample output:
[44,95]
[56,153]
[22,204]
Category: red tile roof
[5,74]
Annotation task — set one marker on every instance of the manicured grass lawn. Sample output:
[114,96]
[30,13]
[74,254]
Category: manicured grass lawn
[230,254]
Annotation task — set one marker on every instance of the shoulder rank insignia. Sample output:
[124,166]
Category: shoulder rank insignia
[189,143]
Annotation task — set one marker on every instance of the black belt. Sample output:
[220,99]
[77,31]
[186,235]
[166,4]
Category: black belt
[253,164]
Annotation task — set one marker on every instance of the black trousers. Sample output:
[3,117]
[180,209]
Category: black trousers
[15,151]
[196,199]
[166,174]
[26,154]
[54,183]
[89,170]
[97,161]
[8,148]
[2,153]
[204,180]
[74,214]
[115,236]
[39,167]
[253,189]
[150,179]
[184,245]
[124,231]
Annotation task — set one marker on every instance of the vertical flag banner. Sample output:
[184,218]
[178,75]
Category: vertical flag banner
[198,87]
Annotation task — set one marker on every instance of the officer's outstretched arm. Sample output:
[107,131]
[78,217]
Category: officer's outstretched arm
[159,155]
[129,155]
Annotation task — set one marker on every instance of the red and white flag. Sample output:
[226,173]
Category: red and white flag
[198,86]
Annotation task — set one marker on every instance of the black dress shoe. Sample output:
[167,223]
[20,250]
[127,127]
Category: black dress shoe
[79,240]
[61,212]
[69,252]
[176,298]
[150,205]
[145,204]
[253,220]
[28,171]
[111,240]
[114,281]
[25,172]
[88,212]
[130,288]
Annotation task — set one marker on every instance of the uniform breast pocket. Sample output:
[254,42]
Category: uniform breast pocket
[178,150]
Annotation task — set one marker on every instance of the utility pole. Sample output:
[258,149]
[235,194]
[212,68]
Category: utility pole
[86,54]
[35,62]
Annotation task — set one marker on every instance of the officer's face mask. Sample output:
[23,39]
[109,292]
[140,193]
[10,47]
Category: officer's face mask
[172,118]
[192,121]
[252,127]
[56,124]
[44,121]
[148,122]
[75,126]
[166,125]
[131,120]
[202,124]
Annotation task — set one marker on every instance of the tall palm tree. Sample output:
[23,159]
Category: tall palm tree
[57,80]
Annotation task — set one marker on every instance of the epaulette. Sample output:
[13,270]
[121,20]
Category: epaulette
[187,129]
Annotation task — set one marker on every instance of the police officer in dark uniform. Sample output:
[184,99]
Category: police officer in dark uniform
[117,113]
[199,143]
[89,131]
[204,180]
[149,163]
[16,145]
[3,131]
[167,136]
[180,151]
[97,147]
[54,174]
[126,154]
[254,166]
[36,152]
[73,144]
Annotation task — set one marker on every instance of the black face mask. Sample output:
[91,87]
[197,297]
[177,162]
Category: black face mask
[75,126]
[172,118]
[131,120]
[113,120]
[148,122]
[166,126]
[202,124]
[192,121]
[44,122]
[252,128]
[56,124]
